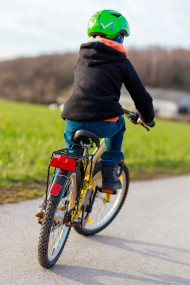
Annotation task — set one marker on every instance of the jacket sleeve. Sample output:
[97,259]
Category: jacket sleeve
[135,87]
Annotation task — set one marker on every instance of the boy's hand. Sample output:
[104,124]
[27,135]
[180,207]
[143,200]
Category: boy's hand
[150,124]
[135,117]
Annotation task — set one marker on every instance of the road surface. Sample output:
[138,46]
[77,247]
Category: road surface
[147,243]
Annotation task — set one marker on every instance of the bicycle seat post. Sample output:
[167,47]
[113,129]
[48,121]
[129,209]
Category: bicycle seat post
[86,147]
[86,140]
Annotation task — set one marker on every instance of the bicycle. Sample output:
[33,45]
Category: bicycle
[74,197]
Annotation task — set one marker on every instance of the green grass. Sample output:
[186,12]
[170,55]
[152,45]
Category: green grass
[162,151]
[29,133]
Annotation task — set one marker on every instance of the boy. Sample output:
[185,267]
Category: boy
[101,68]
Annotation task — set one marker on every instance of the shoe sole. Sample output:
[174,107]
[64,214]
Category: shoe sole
[39,214]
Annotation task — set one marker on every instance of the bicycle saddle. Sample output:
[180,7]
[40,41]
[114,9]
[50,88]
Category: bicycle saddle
[85,136]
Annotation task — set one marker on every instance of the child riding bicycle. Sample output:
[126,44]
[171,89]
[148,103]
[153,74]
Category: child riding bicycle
[101,69]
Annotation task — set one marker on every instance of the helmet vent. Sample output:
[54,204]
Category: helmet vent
[116,15]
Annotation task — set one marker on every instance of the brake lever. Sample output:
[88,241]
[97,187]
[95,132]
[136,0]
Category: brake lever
[133,117]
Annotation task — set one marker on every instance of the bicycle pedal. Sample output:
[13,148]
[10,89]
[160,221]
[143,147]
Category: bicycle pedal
[76,220]
[108,191]
[40,220]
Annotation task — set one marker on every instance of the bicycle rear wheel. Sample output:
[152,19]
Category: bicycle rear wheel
[54,232]
[106,206]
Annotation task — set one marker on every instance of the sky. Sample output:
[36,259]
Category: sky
[30,28]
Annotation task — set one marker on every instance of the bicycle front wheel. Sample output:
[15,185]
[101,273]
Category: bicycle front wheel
[106,206]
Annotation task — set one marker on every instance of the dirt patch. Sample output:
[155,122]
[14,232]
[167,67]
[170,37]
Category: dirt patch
[18,194]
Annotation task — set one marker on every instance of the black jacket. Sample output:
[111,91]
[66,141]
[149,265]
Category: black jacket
[99,73]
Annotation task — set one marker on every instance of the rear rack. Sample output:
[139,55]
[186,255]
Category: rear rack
[65,152]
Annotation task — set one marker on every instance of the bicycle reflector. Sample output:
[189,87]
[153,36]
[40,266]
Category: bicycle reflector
[63,162]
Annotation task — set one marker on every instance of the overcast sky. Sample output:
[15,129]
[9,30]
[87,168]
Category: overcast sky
[29,28]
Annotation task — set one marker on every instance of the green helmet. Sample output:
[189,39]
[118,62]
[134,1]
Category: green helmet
[108,23]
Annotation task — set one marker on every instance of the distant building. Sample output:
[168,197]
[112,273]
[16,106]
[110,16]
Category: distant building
[163,108]
[184,105]
[167,103]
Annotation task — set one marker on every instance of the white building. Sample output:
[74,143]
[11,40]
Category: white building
[167,103]
[184,105]
[163,108]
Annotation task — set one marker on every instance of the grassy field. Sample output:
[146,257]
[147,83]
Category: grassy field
[29,133]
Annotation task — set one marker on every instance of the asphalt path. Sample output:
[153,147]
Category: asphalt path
[147,243]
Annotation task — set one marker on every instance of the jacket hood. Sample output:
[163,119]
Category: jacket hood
[97,53]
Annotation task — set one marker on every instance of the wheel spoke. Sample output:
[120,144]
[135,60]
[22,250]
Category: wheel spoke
[58,231]
[54,233]
[103,213]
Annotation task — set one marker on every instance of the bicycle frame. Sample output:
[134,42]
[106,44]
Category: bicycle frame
[87,184]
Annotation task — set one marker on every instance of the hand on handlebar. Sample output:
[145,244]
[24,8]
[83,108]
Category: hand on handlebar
[150,124]
[136,118]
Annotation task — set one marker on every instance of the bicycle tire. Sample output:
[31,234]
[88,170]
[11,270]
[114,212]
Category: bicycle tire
[50,224]
[114,210]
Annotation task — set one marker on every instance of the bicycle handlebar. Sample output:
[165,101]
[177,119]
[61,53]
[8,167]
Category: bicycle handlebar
[134,117]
